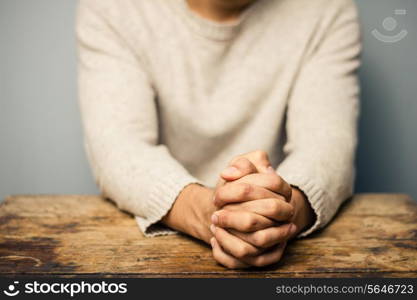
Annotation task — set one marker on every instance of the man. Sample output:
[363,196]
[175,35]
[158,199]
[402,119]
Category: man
[172,92]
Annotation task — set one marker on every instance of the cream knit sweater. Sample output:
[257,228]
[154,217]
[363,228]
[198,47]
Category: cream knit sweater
[169,98]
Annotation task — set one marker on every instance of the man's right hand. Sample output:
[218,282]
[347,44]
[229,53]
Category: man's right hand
[191,212]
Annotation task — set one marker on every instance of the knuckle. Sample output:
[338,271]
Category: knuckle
[281,234]
[218,196]
[259,261]
[260,155]
[242,251]
[276,182]
[250,223]
[273,206]
[244,190]
[242,162]
[288,232]
[260,238]
[291,211]
[221,192]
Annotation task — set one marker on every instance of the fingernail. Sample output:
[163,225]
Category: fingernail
[270,170]
[231,171]
[213,228]
[212,241]
[214,219]
[293,229]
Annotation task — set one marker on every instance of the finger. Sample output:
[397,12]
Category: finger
[238,168]
[241,220]
[233,192]
[225,259]
[270,257]
[234,245]
[267,237]
[270,181]
[273,208]
[259,158]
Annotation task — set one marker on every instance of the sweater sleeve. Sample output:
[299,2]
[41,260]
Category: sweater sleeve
[120,123]
[322,118]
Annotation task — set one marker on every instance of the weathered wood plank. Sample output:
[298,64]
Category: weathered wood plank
[373,235]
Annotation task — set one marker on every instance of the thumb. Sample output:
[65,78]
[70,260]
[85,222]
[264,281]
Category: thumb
[237,169]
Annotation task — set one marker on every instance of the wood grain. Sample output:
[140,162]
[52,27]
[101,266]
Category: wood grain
[374,235]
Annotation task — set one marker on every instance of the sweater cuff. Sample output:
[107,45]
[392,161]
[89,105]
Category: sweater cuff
[151,230]
[316,197]
[161,198]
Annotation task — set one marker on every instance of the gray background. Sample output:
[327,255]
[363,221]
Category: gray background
[40,131]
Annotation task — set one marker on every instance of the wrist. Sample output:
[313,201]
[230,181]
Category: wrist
[304,216]
[201,208]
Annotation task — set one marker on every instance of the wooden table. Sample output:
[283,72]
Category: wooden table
[374,235]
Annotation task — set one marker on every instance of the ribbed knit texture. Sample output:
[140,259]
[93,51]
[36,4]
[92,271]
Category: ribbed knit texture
[169,98]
